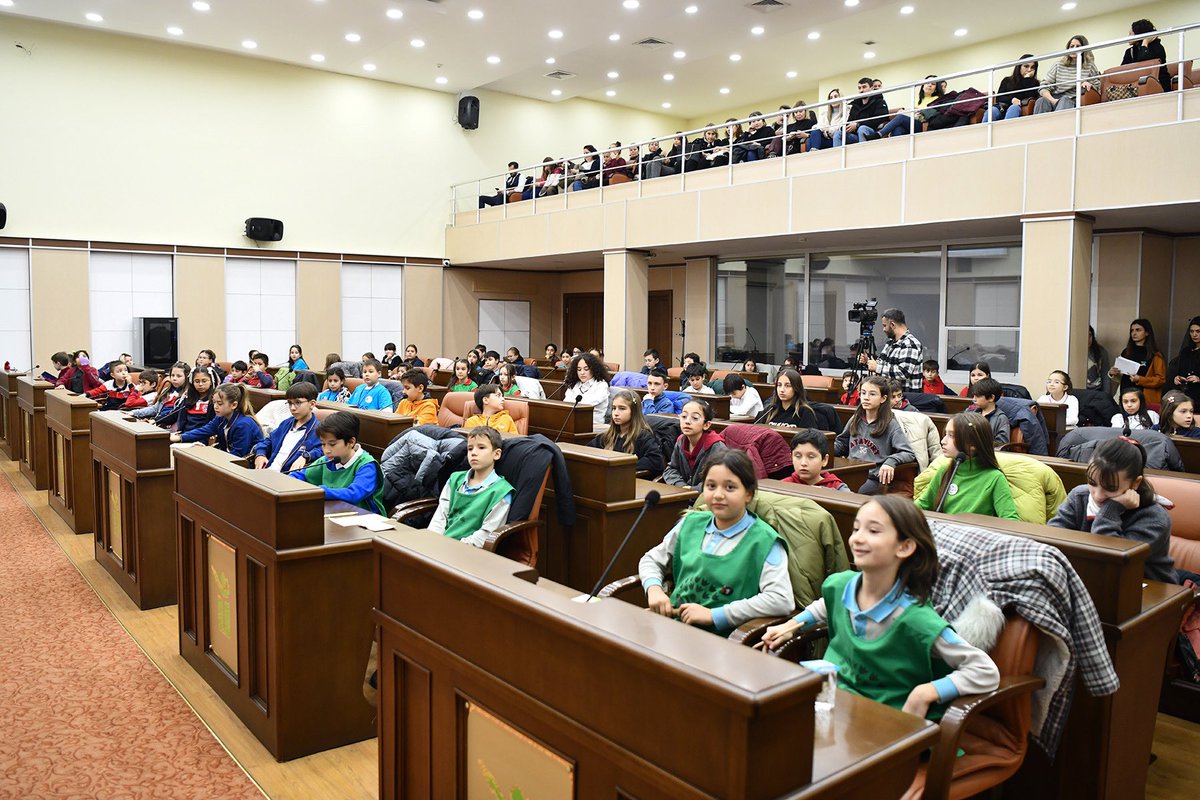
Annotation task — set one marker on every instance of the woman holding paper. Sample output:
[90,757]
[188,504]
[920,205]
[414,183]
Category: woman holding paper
[1141,363]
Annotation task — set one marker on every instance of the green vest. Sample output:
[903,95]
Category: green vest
[466,512]
[322,475]
[715,581]
[464,387]
[886,669]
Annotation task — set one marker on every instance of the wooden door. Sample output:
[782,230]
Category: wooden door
[661,325]
[583,321]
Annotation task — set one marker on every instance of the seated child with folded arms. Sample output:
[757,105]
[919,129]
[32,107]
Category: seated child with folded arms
[475,502]
[346,471]
[656,401]
[810,456]
[335,380]
[727,564]
[417,403]
[293,444]
[490,399]
[887,641]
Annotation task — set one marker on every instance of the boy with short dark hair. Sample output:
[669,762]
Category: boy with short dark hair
[694,375]
[489,399]
[294,444]
[656,401]
[371,395]
[744,400]
[652,361]
[475,502]
[113,393]
[932,382]
[337,392]
[145,392]
[810,455]
[347,472]
[985,393]
[416,402]
[237,372]
[491,363]
[257,375]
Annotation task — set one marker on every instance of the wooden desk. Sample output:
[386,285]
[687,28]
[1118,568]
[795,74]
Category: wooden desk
[548,416]
[70,458]
[32,432]
[616,702]
[291,591]
[608,497]
[1189,451]
[134,511]
[10,420]
[376,429]
[259,397]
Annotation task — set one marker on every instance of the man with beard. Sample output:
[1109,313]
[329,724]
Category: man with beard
[900,358]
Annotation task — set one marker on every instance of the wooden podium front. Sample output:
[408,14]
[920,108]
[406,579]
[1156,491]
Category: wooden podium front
[70,458]
[487,672]
[134,510]
[31,430]
[9,418]
[274,603]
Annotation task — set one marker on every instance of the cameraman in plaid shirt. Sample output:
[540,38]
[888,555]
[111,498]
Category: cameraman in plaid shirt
[901,357]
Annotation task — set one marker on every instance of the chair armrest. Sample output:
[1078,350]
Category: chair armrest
[516,540]
[750,632]
[1013,447]
[414,507]
[620,586]
[799,647]
[941,764]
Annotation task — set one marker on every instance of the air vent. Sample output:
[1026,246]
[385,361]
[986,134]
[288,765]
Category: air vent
[650,43]
[767,6]
[560,75]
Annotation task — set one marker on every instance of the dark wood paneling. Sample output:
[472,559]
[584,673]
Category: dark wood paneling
[659,326]
[583,320]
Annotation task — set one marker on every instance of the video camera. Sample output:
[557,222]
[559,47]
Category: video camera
[866,315]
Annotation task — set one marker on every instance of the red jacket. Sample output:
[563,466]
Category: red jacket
[828,480]
[91,378]
[767,450]
[934,387]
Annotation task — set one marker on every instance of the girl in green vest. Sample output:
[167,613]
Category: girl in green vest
[476,501]
[728,565]
[884,636]
[463,382]
[978,487]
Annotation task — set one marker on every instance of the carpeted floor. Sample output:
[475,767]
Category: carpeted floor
[83,712]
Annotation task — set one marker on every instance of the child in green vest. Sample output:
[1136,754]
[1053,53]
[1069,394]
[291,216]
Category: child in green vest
[347,472]
[886,639]
[728,565]
[475,502]
[979,487]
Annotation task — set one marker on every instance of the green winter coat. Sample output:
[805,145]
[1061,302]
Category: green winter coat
[1036,488]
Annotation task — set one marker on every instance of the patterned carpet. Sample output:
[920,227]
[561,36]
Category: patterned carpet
[83,712]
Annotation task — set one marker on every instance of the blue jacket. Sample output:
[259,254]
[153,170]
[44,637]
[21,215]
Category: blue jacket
[662,405]
[371,398]
[236,435]
[309,446]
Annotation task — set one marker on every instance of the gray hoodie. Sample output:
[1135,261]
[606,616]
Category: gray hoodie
[1150,524]
[892,448]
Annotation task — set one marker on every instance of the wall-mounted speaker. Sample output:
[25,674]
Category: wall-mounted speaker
[263,229]
[3,215]
[468,111]
[155,341]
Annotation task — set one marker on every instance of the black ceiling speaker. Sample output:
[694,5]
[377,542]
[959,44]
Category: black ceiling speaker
[468,111]
[3,215]
[262,229]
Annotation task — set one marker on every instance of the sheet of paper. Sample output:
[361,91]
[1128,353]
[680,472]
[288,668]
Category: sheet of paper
[1126,366]
[372,522]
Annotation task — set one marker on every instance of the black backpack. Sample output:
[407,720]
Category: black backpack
[1095,408]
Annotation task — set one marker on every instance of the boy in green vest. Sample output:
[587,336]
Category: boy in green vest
[347,472]
[475,502]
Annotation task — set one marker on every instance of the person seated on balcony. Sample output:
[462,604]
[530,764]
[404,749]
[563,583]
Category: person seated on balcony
[902,123]
[1148,49]
[868,113]
[701,150]
[674,156]
[829,120]
[799,124]
[633,162]
[512,183]
[587,174]
[613,163]
[778,129]
[1015,90]
[1058,91]
[654,164]
[547,183]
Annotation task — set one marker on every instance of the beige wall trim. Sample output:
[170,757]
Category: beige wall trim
[235,252]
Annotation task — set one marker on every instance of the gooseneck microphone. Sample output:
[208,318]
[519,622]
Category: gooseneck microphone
[316,463]
[568,416]
[958,462]
[652,498]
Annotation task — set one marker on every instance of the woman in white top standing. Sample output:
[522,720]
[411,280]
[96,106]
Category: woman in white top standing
[1058,386]
[587,384]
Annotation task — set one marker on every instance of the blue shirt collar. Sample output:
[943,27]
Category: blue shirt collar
[895,598]
[739,527]
[466,488]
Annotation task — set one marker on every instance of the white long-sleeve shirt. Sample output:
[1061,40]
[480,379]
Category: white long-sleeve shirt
[1072,404]
[750,404]
[592,393]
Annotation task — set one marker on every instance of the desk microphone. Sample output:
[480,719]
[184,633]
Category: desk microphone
[561,386]
[567,419]
[958,461]
[316,463]
[652,498]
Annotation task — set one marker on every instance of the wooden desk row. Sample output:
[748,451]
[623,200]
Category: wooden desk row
[10,420]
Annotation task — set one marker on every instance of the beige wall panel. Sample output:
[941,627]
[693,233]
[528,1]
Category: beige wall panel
[1174,179]
[672,184]
[766,169]
[936,189]
[814,163]
[882,151]
[1049,176]
[471,243]
[521,209]
[465,218]
[557,202]
[200,305]
[662,220]
[576,230]
[1185,288]
[1038,128]
[584,282]
[319,286]
[464,288]
[626,290]
[1153,110]
[522,237]
[706,178]
[1118,266]
[424,306]
[1191,103]
[1056,260]
[742,211]
[700,298]
[584,199]
[675,280]
[863,198]
[1080,303]
[491,213]
[58,293]
[620,191]
[1157,254]
[614,224]
[954,140]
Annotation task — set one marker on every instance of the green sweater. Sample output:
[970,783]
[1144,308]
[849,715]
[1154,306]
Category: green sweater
[975,490]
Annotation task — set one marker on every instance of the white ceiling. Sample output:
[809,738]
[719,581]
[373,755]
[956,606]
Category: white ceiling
[516,31]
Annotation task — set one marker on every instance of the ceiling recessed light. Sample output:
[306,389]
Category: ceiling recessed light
[679,54]
[758,30]
[317,57]
[668,76]
[1068,6]
[907,9]
[368,67]
[417,42]
[851,3]
[792,73]
[614,74]
[666,105]
[611,93]
[353,37]
[631,4]
[493,59]
[614,37]
[724,90]
[869,55]
[394,13]
[814,35]
[735,57]
[690,10]
[550,60]
[249,44]
[475,13]
[174,30]
[92,16]
[555,34]
[556,92]
[961,32]
[200,5]
[441,80]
